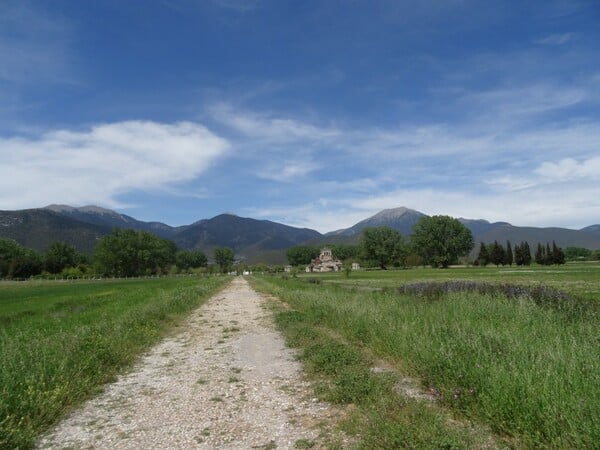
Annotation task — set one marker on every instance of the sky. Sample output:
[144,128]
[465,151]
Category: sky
[310,113]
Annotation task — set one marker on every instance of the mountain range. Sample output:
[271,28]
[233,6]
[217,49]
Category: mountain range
[252,240]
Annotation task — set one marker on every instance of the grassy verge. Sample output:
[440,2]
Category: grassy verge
[61,341]
[530,372]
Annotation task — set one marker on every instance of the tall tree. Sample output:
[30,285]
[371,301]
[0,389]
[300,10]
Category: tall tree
[190,259]
[440,240]
[497,254]
[133,253]
[301,255]
[384,245]
[526,253]
[17,261]
[59,256]
[539,254]
[344,251]
[508,256]
[518,253]
[558,256]
[224,258]
[483,258]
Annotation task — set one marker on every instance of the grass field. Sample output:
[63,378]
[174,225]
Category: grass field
[60,341]
[526,369]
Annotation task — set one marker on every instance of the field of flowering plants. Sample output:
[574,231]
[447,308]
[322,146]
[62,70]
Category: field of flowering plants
[512,351]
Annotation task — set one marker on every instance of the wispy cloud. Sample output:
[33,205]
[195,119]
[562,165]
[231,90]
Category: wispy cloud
[500,162]
[270,128]
[97,165]
[34,45]
[288,171]
[555,39]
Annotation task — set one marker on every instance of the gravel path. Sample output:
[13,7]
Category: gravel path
[225,381]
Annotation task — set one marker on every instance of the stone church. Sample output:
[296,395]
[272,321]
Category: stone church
[324,263]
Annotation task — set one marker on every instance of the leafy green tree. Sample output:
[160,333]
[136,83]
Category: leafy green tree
[345,252]
[483,257]
[441,240]
[577,253]
[301,255]
[224,258]
[133,253]
[190,259]
[384,245]
[17,261]
[59,256]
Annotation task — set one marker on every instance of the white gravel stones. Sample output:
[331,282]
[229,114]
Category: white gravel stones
[225,381]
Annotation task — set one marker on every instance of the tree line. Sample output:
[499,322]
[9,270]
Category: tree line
[124,253]
[438,241]
[498,254]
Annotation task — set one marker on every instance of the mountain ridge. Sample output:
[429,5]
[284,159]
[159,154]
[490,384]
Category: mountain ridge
[252,239]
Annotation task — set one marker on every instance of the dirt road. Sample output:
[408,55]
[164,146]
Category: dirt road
[224,381]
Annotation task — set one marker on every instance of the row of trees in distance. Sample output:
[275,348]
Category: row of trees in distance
[124,253]
[498,254]
[437,241]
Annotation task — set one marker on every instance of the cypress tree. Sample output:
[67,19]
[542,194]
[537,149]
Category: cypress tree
[508,256]
[526,253]
[558,256]
[497,254]
[483,258]
[539,254]
[519,257]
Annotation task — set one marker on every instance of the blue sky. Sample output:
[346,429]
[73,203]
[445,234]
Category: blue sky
[311,113]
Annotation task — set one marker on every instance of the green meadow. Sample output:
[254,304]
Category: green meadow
[61,341]
[497,370]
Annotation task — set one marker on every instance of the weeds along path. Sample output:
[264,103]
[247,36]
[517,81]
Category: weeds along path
[225,380]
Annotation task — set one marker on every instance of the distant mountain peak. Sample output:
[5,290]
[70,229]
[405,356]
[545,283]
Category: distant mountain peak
[393,213]
[401,219]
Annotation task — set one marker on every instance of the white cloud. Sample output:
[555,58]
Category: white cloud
[570,169]
[96,166]
[318,215]
[288,171]
[554,205]
[524,100]
[270,128]
[555,39]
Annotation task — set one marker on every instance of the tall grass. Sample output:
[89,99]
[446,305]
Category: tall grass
[528,370]
[60,342]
